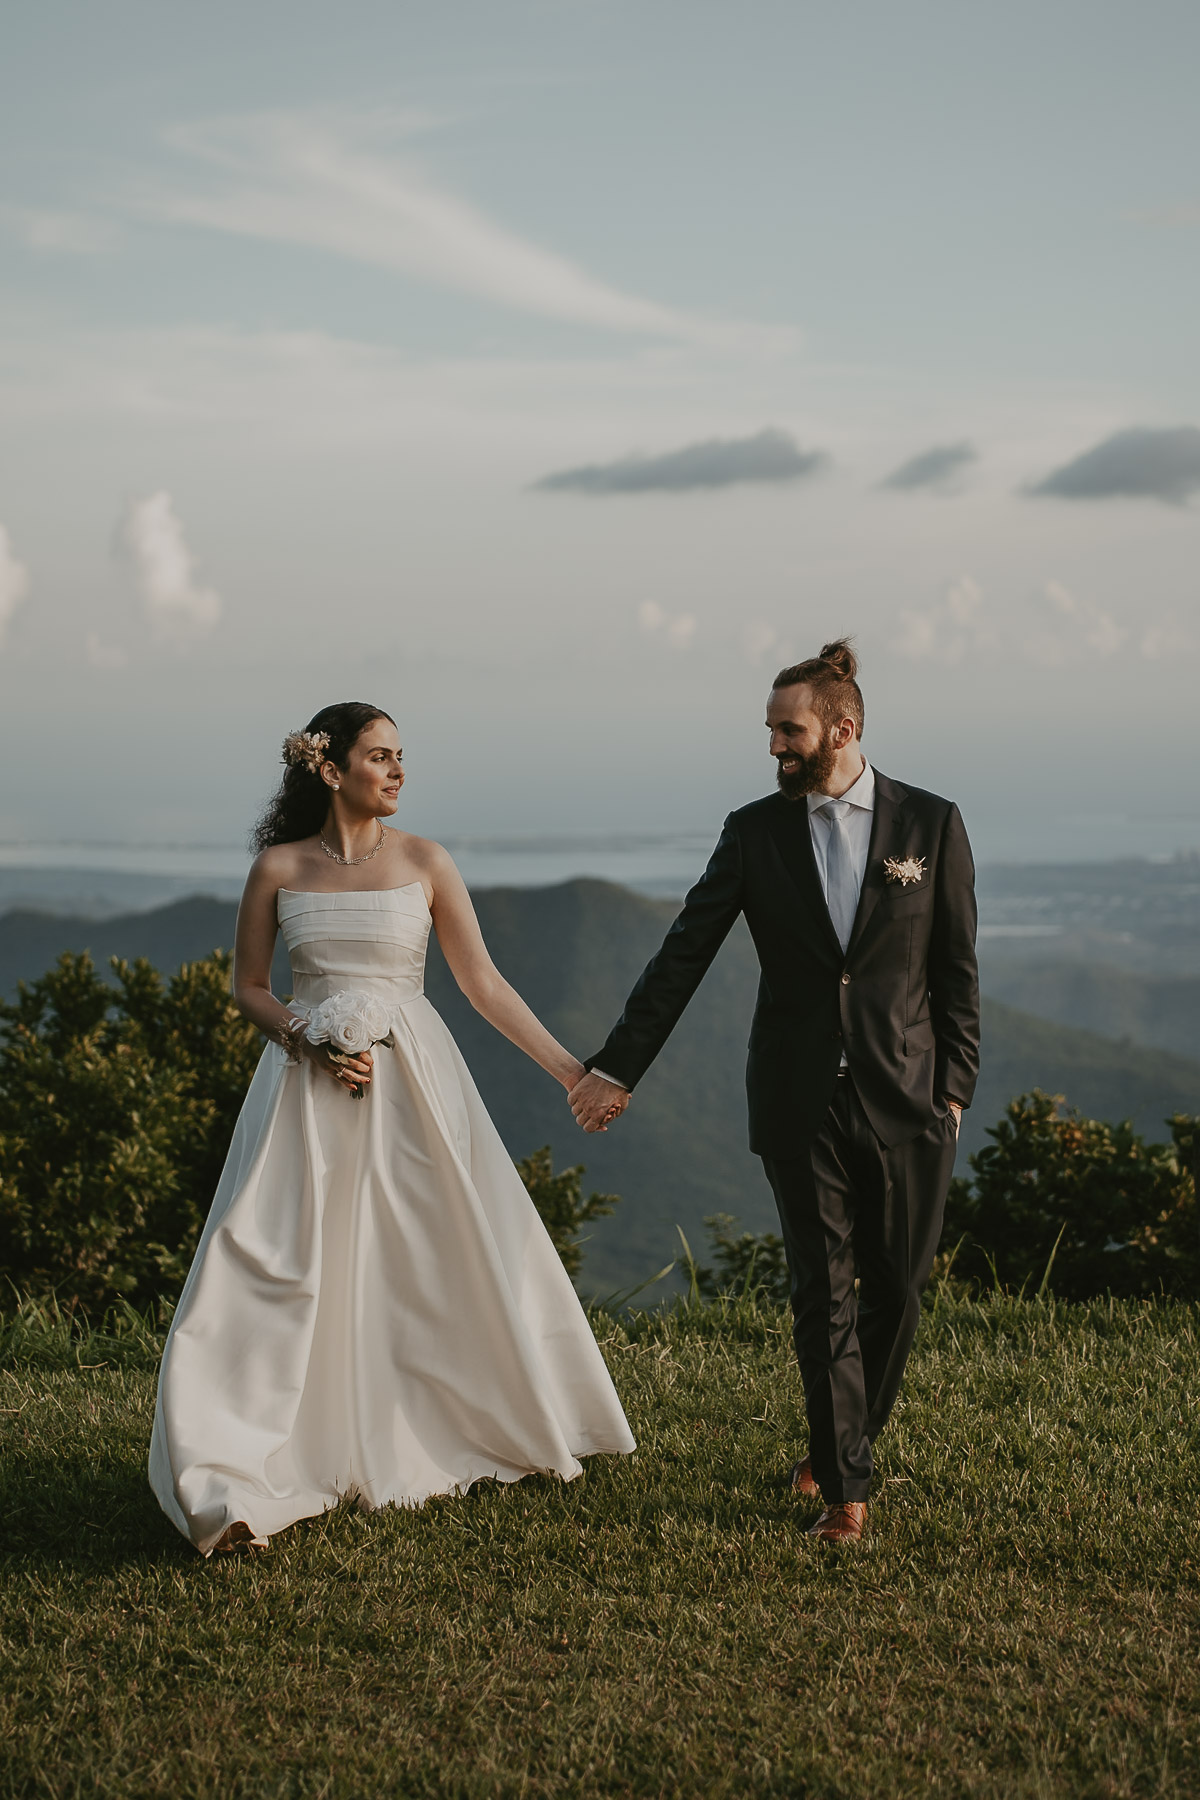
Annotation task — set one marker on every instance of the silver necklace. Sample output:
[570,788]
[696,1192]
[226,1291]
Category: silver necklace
[352,862]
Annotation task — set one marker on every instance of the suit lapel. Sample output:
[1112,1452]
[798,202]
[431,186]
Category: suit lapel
[887,830]
[793,840]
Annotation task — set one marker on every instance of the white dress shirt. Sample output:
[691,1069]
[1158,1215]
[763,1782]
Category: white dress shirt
[861,800]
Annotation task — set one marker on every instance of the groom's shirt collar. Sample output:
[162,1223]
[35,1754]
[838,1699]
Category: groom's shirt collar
[862,794]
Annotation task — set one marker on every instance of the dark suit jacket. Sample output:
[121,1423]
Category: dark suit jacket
[903,1001]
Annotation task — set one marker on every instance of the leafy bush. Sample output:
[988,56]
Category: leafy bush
[117,1103]
[118,1100]
[752,1263]
[561,1205]
[1117,1215]
[1103,1210]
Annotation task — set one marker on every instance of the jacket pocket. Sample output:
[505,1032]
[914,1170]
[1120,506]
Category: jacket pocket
[919,1038]
[896,902]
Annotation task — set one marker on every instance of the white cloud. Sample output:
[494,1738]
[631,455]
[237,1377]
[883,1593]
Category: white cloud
[758,640]
[60,233]
[1167,638]
[14,582]
[176,605]
[301,180]
[1099,630]
[946,631]
[1078,624]
[676,629]
[104,656]
[1055,626]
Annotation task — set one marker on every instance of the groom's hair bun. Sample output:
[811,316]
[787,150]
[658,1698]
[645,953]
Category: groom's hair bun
[841,658]
[832,678]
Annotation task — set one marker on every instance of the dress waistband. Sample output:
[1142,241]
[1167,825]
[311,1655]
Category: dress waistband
[344,995]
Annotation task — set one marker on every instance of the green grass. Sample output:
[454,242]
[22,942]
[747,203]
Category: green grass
[1023,1620]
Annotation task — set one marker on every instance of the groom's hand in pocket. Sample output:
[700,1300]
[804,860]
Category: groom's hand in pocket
[595,1102]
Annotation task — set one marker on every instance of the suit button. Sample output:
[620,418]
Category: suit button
[845,981]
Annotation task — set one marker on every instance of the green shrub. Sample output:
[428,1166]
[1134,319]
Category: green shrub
[750,1264]
[561,1205]
[1116,1214]
[117,1103]
[1104,1211]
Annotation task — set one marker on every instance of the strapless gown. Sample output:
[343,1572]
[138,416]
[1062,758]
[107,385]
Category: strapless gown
[375,1309]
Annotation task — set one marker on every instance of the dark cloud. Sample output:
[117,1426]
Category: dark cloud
[932,468]
[768,456]
[1156,464]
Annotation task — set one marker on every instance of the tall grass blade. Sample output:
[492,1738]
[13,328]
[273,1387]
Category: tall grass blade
[620,1297]
[1045,1281]
[692,1268]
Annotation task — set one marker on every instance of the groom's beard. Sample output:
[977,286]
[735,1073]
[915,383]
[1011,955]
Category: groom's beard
[813,774]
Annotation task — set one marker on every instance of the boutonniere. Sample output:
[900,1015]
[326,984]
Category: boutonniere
[904,868]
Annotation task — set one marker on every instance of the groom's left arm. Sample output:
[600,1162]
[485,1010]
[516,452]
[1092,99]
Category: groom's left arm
[954,968]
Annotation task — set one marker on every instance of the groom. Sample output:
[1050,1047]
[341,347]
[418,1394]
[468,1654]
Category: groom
[859,894]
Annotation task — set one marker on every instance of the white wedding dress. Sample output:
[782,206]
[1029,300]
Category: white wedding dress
[375,1309]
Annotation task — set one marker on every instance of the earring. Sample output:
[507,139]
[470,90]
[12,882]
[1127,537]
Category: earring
[336,786]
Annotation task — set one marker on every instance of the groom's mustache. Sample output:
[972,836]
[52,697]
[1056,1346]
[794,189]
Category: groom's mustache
[810,774]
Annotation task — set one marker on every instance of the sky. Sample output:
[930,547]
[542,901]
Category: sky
[550,373]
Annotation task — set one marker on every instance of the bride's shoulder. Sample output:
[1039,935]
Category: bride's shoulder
[431,859]
[426,853]
[277,866]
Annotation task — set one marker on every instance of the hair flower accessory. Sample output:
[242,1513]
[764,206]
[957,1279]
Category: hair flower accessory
[306,749]
[904,868]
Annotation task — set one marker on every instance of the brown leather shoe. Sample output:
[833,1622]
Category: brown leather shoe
[802,1480]
[841,1524]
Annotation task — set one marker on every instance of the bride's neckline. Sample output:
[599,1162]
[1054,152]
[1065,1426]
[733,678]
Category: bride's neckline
[330,893]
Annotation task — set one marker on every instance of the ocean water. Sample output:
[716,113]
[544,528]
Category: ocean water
[101,880]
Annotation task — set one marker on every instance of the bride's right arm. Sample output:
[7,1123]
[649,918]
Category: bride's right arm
[254,946]
[477,975]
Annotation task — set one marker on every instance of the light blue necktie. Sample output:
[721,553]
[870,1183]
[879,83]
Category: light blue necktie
[841,897]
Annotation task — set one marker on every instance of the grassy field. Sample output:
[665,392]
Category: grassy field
[1023,1620]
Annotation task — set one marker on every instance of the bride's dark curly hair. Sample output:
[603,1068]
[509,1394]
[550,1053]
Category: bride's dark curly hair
[301,803]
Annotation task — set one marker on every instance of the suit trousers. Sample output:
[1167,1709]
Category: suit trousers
[851,1208]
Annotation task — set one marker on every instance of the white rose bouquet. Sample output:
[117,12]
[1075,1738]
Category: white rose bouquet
[350,1023]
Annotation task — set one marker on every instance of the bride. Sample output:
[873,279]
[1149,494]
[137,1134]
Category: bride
[375,1309]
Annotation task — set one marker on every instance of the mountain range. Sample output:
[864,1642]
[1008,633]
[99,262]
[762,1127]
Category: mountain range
[680,1152]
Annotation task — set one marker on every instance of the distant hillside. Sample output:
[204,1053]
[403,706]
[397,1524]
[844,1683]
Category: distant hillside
[1145,1009]
[1138,915]
[167,936]
[680,1152]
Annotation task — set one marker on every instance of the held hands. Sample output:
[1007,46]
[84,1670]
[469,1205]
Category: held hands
[596,1102]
